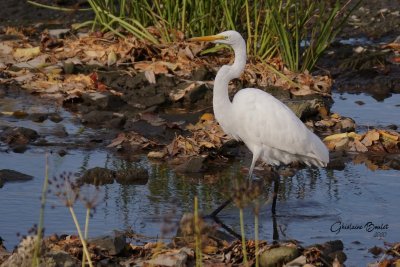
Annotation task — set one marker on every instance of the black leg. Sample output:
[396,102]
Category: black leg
[275,195]
[221,207]
[275,233]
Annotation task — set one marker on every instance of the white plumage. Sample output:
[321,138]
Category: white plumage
[268,127]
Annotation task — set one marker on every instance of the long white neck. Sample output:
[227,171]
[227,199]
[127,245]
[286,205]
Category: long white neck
[221,101]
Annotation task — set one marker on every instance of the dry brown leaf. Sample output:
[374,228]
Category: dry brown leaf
[359,146]
[150,76]
[156,154]
[179,94]
[111,58]
[370,137]
[26,53]
[152,119]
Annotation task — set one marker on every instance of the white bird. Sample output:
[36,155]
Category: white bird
[269,129]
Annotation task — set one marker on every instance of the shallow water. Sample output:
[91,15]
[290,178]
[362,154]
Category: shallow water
[311,204]
[371,112]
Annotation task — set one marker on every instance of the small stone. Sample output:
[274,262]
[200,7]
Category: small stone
[62,152]
[359,49]
[20,114]
[7,175]
[97,117]
[59,258]
[170,259]
[54,117]
[113,244]
[97,176]
[18,136]
[103,100]
[193,164]
[342,144]
[278,256]
[201,74]
[38,117]
[134,175]
[197,93]
[347,125]
[58,33]
[299,261]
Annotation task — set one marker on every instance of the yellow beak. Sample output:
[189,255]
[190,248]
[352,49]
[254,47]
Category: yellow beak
[206,38]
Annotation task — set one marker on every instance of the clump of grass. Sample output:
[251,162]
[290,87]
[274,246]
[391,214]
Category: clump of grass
[297,31]
[244,193]
[197,233]
[40,227]
[68,192]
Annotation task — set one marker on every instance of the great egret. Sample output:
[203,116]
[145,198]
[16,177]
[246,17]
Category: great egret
[269,129]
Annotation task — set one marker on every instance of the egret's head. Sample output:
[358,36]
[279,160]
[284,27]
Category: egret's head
[228,37]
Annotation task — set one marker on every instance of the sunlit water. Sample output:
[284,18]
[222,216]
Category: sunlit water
[311,203]
[371,112]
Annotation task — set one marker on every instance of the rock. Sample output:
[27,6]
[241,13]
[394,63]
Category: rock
[13,176]
[299,261]
[113,244]
[342,144]
[229,149]
[103,100]
[193,164]
[97,176]
[201,74]
[197,93]
[278,256]
[306,108]
[97,117]
[170,259]
[347,125]
[59,258]
[17,136]
[58,33]
[134,175]
[62,152]
[116,122]
[276,91]
[165,81]
[38,117]
[22,257]
[54,117]
[4,254]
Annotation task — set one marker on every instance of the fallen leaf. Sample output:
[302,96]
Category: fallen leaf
[176,95]
[26,53]
[207,117]
[359,146]
[36,63]
[94,53]
[370,137]
[111,58]
[150,76]
[388,136]
[156,154]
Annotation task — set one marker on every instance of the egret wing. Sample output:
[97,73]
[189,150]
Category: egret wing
[261,119]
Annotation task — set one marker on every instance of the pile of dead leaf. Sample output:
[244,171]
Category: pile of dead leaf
[378,141]
[49,66]
[206,135]
[391,255]
[332,123]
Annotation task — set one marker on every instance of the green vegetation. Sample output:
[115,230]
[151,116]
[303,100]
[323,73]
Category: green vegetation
[297,31]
